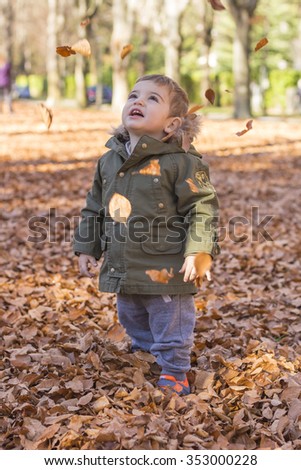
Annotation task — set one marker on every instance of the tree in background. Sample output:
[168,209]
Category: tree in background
[242,12]
[53,79]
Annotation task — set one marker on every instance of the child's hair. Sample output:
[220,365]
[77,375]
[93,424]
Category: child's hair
[179,105]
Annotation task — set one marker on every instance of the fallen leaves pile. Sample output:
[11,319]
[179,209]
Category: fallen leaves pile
[69,380]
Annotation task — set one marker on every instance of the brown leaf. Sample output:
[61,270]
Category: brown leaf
[263,42]
[101,403]
[47,115]
[216,5]
[85,22]
[162,276]
[119,208]
[210,95]
[115,333]
[248,127]
[127,49]
[194,109]
[65,51]
[82,46]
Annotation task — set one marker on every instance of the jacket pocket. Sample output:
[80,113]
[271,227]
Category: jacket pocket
[162,247]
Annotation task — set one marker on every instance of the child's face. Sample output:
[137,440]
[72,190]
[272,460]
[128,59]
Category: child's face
[147,110]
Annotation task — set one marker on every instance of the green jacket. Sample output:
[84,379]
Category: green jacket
[174,211]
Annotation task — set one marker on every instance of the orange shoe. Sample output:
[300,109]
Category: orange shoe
[181,387]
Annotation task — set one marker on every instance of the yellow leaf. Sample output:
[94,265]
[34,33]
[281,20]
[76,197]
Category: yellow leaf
[64,51]
[153,168]
[119,208]
[82,47]
[46,114]
[193,187]
[126,50]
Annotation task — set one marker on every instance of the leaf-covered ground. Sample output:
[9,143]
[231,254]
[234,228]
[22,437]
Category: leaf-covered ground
[68,378]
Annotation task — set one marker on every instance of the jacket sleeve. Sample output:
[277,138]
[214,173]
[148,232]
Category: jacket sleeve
[87,236]
[198,203]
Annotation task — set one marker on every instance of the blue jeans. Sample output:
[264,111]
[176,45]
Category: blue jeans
[162,325]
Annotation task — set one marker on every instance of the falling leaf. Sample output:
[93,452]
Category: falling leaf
[126,50]
[82,47]
[193,187]
[162,276]
[119,208]
[228,91]
[263,42]
[85,22]
[210,95]
[65,51]
[153,168]
[216,5]
[202,263]
[248,128]
[193,109]
[46,114]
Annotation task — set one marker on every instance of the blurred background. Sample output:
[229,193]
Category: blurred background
[188,40]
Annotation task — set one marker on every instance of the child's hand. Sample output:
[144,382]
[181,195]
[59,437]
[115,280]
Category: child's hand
[83,262]
[188,268]
[202,265]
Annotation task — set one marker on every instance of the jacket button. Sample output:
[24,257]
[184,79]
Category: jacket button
[156,180]
[144,146]
[121,174]
[112,270]
[161,205]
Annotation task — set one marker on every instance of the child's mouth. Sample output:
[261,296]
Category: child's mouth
[136,112]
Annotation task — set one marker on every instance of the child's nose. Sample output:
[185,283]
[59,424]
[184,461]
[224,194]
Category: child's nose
[139,100]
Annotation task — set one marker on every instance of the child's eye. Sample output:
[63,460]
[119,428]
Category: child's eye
[132,95]
[154,97]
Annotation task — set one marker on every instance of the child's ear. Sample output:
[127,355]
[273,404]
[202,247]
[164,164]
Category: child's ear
[173,125]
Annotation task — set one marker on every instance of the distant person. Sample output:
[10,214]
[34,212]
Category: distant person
[152,166]
[5,84]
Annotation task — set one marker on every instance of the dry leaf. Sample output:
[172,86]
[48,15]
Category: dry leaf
[263,42]
[65,51]
[153,168]
[193,187]
[210,95]
[228,91]
[116,332]
[193,109]
[46,114]
[248,128]
[119,208]
[126,50]
[162,276]
[202,263]
[85,22]
[82,47]
[216,5]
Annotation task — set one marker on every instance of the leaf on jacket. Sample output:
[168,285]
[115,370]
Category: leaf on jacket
[217,5]
[263,42]
[162,276]
[193,187]
[65,51]
[119,208]
[249,126]
[153,168]
[82,47]
[202,264]
[210,95]
[46,114]
[127,49]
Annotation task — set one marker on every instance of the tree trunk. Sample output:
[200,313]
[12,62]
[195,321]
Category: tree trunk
[172,37]
[206,35]
[121,35]
[80,85]
[53,80]
[242,12]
